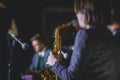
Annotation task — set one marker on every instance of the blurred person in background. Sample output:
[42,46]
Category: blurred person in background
[41,53]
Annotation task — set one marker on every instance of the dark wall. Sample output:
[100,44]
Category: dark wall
[29,14]
[4,52]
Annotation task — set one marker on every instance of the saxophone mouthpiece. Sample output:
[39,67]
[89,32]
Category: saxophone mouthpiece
[73,23]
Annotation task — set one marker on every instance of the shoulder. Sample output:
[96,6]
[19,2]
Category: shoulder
[48,50]
[81,35]
[99,29]
[35,55]
[81,32]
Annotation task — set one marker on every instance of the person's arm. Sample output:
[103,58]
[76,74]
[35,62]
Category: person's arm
[71,72]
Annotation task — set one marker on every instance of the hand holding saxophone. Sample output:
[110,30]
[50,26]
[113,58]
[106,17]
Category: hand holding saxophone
[54,58]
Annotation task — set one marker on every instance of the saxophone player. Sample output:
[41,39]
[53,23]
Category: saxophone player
[92,58]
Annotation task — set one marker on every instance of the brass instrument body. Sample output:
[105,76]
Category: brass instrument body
[57,41]
[47,73]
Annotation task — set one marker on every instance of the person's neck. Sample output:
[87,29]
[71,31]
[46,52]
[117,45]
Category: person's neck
[43,49]
[85,27]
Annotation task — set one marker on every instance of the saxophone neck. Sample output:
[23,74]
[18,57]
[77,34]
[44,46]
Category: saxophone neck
[63,26]
[57,41]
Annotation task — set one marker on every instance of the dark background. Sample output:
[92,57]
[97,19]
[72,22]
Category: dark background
[31,17]
[29,14]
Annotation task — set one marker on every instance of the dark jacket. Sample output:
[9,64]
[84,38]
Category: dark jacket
[92,58]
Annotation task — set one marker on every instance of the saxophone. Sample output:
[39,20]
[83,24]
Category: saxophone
[47,73]
[57,41]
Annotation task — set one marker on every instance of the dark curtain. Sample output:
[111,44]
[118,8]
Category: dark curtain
[4,52]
